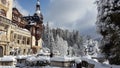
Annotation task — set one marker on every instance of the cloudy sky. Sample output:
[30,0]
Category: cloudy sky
[67,14]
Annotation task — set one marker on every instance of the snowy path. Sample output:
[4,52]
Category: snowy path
[98,66]
[7,67]
[48,67]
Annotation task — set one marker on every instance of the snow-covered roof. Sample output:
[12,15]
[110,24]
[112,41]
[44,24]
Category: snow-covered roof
[100,55]
[88,60]
[8,58]
[87,56]
[26,30]
[62,58]
[31,59]
[38,12]
[21,57]
[77,60]
[7,67]
[40,58]
[32,23]
[43,53]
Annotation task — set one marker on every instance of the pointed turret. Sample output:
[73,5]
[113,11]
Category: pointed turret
[38,7]
[38,12]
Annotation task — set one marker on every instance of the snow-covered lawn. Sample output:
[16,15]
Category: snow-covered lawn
[8,58]
[65,58]
[8,67]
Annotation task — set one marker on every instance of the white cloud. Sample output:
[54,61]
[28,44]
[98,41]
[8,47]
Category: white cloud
[73,14]
[20,8]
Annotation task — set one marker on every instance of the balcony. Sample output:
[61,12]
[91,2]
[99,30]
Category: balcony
[5,20]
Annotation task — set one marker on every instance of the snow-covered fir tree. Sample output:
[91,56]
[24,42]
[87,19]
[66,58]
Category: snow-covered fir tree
[91,47]
[59,39]
[61,46]
[69,43]
[109,27]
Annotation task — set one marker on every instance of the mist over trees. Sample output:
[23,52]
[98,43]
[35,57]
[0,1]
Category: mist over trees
[108,23]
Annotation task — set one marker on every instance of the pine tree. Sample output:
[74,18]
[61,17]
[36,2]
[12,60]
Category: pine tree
[109,27]
[62,40]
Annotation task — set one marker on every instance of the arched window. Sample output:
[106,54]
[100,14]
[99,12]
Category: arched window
[2,12]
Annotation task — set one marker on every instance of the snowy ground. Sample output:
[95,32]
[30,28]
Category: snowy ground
[97,66]
[33,67]
[79,59]
[8,67]
[48,67]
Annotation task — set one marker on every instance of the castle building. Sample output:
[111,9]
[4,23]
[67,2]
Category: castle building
[17,18]
[15,37]
[35,27]
[5,17]
[6,8]
[39,27]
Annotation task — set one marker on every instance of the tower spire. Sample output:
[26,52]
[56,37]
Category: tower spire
[38,7]
[38,12]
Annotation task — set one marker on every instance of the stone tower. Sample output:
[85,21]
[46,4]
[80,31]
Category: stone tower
[39,22]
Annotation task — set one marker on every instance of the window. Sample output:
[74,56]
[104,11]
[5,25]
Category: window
[3,1]
[24,51]
[23,41]
[19,39]
[5,63]
[14,36]
[28,41]
[11,36]
[2,12]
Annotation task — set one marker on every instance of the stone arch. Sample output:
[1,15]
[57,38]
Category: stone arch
[1,51]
